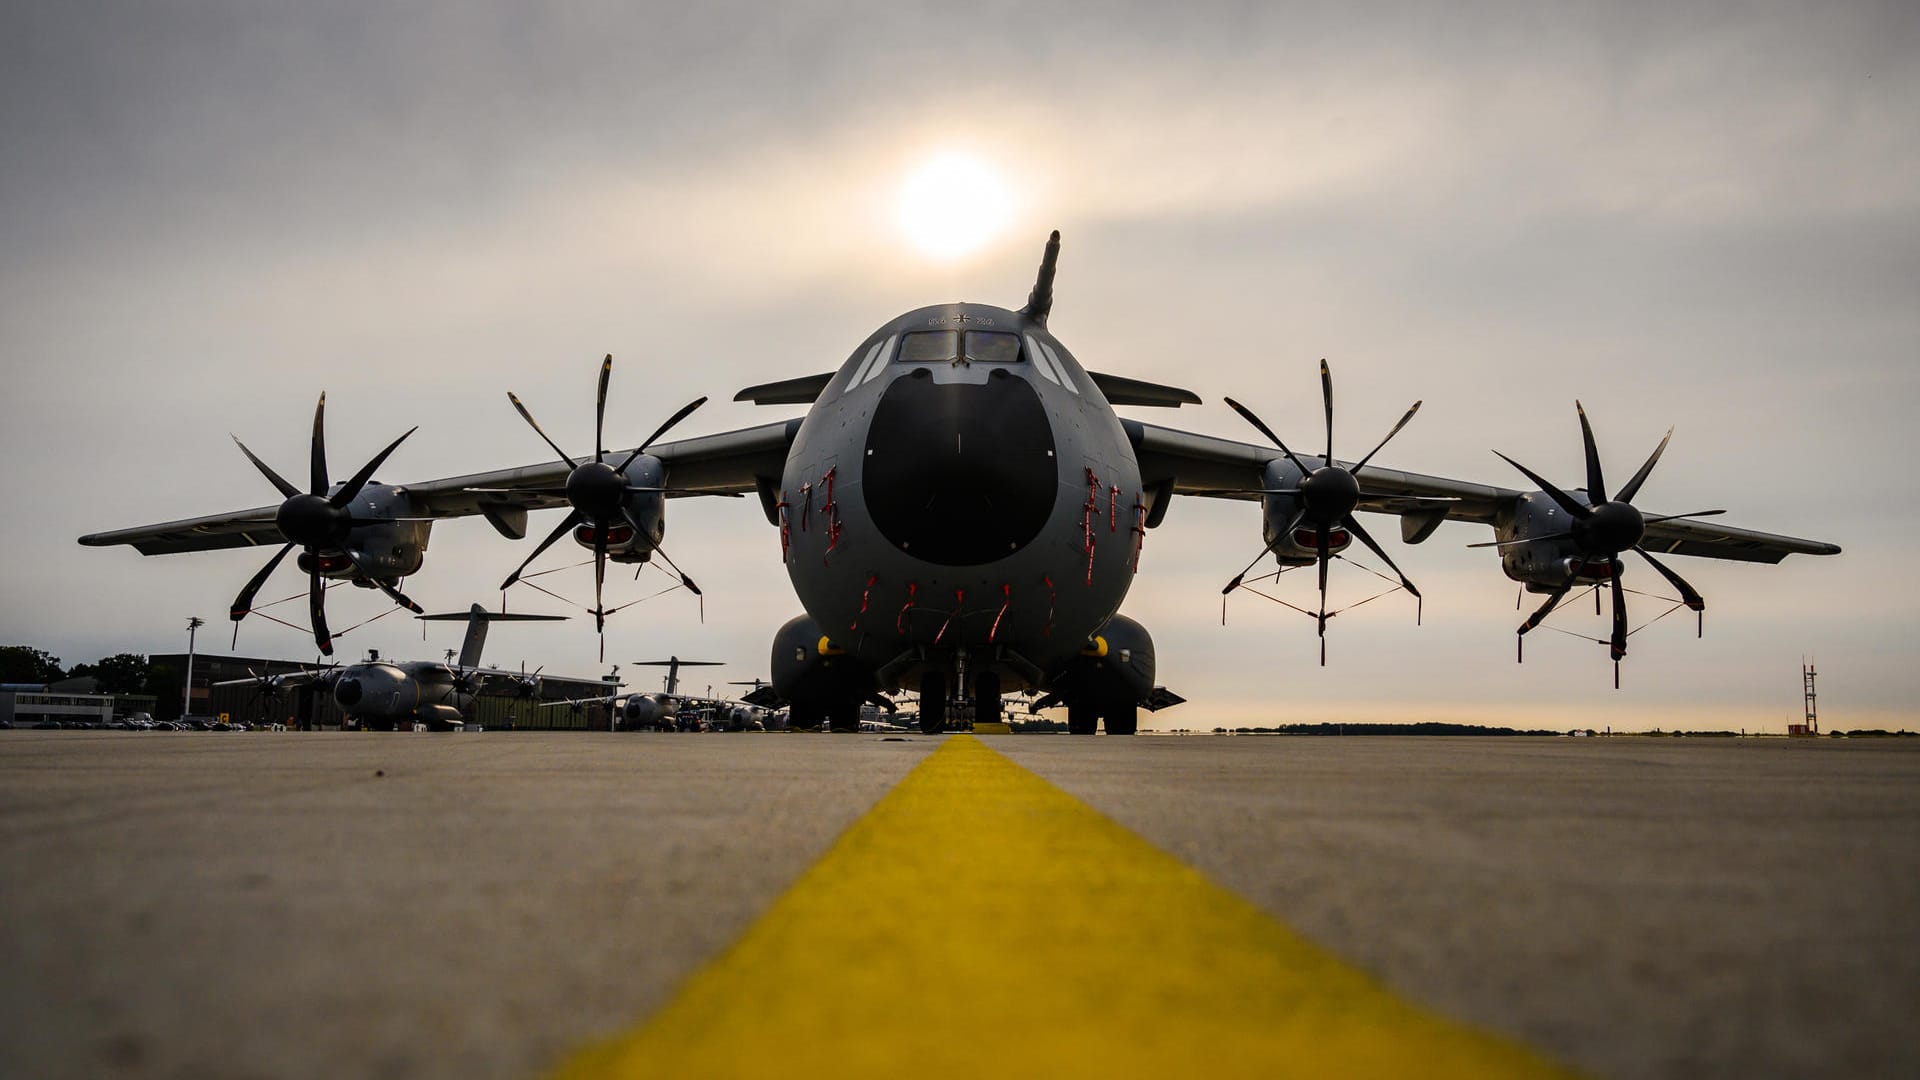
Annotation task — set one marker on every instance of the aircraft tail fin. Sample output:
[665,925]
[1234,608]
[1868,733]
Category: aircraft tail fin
[476,637]
[1040,301]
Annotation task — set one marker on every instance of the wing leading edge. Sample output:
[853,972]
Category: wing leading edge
[726,463]
[1190,464]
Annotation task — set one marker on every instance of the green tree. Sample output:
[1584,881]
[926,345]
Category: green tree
[121,673]
[26,664]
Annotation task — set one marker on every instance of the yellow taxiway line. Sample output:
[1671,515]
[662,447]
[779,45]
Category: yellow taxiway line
[980,921]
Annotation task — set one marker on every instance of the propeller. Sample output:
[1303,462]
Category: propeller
[597,492]
[1602,529]
[527,687]
[317,522]
[1327,497]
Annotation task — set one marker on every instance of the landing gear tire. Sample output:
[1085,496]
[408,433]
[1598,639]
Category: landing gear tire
[844,717]
[1082,720]
[804,717]
[933,703]
[1123,719]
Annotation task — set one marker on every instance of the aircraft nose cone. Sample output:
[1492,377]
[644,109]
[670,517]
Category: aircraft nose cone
[960,474]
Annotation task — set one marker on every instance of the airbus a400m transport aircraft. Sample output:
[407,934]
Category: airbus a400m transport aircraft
[961,512]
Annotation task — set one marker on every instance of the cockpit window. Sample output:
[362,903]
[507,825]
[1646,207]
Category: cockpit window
[990,347]
[929,347]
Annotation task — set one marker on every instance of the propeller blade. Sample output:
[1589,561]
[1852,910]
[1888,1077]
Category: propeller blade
[636,489]
[685,411]
[1242,575]
[1353,527]
[243,603]
[1633,486]
[279,482]
[1323,554]
[1676,517]
[1566,501]
[1596,484]
[359,480]
[684,579]
[317,608]
[1540,615]
[1383,442]
[392,593]
[600,409]
[1619,619]
[572,519]
[1688,596]
[535,425]
[1516,543]
[1326,392]
[1247,415]
[317,462]
[599,579]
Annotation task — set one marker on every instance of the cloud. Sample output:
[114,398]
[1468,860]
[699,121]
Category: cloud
[1699,215]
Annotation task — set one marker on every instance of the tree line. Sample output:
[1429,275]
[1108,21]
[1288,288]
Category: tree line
[121,673]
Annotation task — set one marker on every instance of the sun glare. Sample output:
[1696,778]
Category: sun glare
[953,205]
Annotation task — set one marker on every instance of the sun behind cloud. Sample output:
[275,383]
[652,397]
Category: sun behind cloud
[953,204]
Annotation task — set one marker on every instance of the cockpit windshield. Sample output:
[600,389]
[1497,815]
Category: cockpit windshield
[929,347]
[991,347]
[943,347]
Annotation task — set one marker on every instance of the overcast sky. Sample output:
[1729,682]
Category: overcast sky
[1702,216]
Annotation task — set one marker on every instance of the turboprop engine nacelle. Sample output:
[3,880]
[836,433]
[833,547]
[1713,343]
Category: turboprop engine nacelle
[1545,566]
[645,512]
[389,551]
[1292,539]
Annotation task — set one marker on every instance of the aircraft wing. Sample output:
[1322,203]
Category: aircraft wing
[721,464]
[1184,463]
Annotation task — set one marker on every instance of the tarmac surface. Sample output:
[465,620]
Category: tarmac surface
[483,905]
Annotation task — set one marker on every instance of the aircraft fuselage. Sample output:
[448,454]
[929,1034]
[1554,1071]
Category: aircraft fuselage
[961,487]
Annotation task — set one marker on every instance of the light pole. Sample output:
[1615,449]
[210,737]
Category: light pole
[194,623]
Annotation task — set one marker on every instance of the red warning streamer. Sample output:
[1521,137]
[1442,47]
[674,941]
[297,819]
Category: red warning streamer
[959,598]
[899,621]
[832,511]
[1006,601]
[1086,519]
[786,527]
[866,595]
